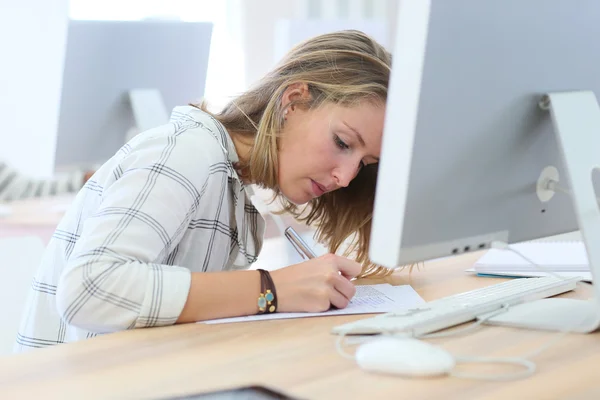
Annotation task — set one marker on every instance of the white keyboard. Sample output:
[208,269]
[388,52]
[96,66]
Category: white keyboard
[460,308]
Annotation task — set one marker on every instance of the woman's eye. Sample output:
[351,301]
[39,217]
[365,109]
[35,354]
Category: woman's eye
[340,143]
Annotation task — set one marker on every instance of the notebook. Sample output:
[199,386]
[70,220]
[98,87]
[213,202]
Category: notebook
[567,259]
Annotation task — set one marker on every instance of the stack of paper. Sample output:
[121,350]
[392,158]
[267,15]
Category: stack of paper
[568,259]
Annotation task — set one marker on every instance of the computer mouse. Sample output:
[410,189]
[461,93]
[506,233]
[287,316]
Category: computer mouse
[404,356]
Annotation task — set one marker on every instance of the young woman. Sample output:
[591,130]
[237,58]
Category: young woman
[164,232]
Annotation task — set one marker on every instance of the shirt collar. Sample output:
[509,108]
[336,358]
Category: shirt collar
[210,124]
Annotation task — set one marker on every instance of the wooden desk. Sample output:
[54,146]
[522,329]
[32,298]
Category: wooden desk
[34,217]
[296,356]
[46,211]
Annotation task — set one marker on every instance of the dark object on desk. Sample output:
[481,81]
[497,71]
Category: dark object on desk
[243,393]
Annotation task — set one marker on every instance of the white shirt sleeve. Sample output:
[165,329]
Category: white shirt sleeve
[116,278]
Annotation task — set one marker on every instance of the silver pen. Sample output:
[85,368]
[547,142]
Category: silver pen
[300,245]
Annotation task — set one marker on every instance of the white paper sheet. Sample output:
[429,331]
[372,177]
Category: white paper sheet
[586,276]
[553,256]
[565,258]
[368,299]
[5,211]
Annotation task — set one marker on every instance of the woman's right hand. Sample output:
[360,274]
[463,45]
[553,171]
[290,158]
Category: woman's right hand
[315,285]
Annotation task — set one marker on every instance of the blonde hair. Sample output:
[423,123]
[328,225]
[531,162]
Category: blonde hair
[344,68]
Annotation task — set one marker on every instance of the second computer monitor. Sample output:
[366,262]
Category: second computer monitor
[467,134]
[107,59]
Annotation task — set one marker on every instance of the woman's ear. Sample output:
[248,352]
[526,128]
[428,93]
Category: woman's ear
[296,93]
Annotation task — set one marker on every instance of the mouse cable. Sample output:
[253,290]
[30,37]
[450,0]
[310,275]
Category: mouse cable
[523,361]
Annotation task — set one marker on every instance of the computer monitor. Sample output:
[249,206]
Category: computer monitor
[120,75]
[488,101]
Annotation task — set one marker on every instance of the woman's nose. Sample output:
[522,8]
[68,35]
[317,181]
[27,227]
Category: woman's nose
[344,174]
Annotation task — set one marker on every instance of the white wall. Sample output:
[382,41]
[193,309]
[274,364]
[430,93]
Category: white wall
[32,46]
[290,32]
[259,18]
[258,42]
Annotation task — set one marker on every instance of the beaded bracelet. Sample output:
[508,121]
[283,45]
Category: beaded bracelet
[267,299]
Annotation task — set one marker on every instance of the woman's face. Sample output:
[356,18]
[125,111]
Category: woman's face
[324,148]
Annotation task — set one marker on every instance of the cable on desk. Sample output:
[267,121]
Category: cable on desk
[523,361]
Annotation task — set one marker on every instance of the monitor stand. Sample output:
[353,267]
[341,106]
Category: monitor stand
[576,120]
[148,109]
